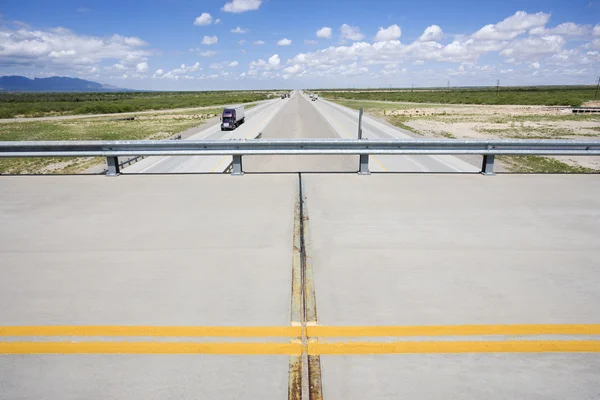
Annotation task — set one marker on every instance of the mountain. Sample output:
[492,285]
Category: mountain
[53,84]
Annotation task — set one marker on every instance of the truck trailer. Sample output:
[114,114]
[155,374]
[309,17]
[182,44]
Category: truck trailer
[232,118]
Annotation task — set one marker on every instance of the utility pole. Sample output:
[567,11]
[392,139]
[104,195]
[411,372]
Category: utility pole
[597,84]
[448,85]
[497,86]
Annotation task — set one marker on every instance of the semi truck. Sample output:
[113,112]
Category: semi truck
[232,118]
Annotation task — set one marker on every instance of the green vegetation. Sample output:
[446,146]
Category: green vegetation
[44,104]
[549,96]
[148,126]
[541,165]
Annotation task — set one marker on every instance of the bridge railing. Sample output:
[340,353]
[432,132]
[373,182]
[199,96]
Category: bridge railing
[239,148]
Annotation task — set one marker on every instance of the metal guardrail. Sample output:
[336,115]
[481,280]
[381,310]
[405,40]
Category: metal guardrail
[238,148]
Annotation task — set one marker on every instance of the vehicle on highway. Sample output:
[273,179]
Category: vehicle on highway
[315,97]
[232,118]
[283,96]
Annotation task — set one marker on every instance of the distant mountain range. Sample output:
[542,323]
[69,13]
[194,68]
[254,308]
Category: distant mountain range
[53,84]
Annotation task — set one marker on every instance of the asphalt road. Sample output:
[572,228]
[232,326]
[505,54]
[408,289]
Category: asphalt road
[299,117]
[256,119]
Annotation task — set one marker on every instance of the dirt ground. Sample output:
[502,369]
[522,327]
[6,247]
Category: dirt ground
[498,122]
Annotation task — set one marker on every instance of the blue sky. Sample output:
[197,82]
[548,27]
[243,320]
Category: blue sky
[195,45]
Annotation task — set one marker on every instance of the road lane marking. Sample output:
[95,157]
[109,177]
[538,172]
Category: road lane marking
[253,132]
[172,331]
[350,136]
[544,346]
[148,348]
[295,347]
[295,330]
[454,330]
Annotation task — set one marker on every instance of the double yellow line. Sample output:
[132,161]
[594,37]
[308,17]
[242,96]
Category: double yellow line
[294,346]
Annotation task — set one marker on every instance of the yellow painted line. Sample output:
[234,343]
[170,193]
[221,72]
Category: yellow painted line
[181,331]
[252,133]
[148,348]
[454,330]
[548,346]
[314,348]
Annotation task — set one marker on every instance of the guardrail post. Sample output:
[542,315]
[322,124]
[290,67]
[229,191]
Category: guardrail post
[487,167]
[237,165]
[113,166]
[360,114]
[364,165]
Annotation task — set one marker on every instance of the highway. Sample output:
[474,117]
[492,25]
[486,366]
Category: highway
[279,284]
[299,117]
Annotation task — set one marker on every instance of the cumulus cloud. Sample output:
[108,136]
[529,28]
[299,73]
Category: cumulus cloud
[208,53]
[512,26]
[217,21]
[390,33]
[432,33]
[258,42]
[239,30]
[284,42]
[274,60]
[324,33]
[60,46]
[534,47]
[179,73]
[351,33]
[534,65]
[209,40]
[233,64]
[203,19]
[240,6]
[566,29]
[142,67]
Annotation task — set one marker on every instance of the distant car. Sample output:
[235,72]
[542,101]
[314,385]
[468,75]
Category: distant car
[283,96]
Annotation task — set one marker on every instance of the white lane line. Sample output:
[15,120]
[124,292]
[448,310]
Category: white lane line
[209,131]
[394,132]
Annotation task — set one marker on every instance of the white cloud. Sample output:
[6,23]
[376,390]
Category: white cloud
[159,72]
[351,33]
[284,42]
[533,47]
[534,65]
[210,40]
[179,73]
[390,33]
[207,53]
[324,33]
[512,26]
[258,42]
[242,42]
[274,60]
[596,30]
[294,69]
[203,19]
[432,33]
[59,46]
[233,64]
[240,6]
[217,21]
[216,66]
[566,29]
[239,30]
[142,67]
